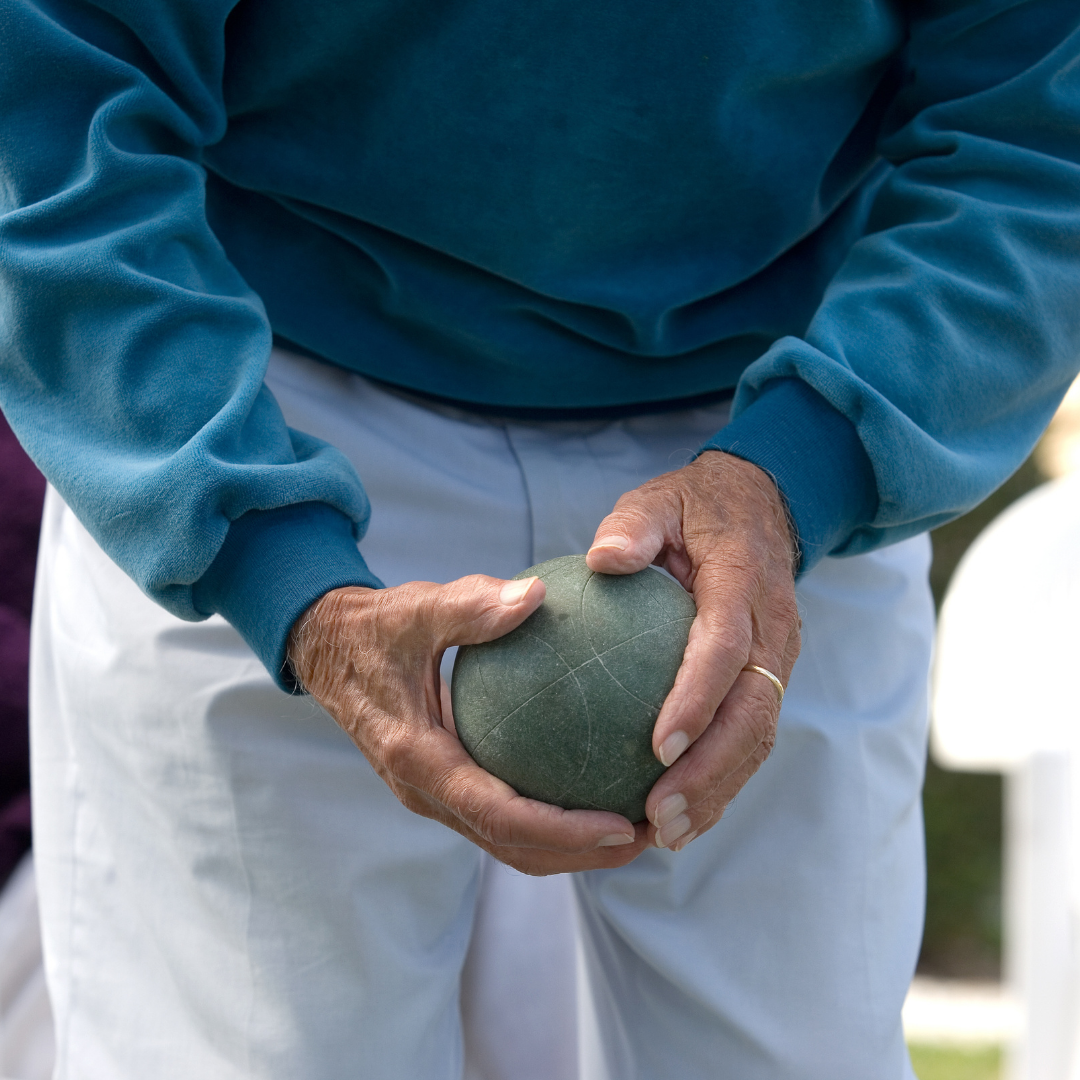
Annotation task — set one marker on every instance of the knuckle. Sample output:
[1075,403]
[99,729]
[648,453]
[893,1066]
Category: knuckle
[419,614]
[764,748]
[633,515]
[467,591]
[787,612]
[410,799]
[754,719]
[530,868]
[730,641]
[397,749]
[645,508]
[445,785]
[629,503]
[705,813]
[462,603]
[391,621]
[489,824]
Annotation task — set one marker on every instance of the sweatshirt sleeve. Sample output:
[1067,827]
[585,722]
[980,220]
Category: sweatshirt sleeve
[951,331]
[132,353]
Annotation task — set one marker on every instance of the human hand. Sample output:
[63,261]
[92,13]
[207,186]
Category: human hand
[719,526]
[371,658]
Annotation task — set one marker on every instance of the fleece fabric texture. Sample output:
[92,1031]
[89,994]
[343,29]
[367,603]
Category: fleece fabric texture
[864,215]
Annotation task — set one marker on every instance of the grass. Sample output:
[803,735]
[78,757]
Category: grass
[956,1062]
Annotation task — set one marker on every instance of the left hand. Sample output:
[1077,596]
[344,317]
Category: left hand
[371,657]
[720,527]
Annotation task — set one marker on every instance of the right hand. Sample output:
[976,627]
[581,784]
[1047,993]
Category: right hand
[371,657]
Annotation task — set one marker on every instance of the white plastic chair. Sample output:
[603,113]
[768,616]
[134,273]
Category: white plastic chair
[1004,699]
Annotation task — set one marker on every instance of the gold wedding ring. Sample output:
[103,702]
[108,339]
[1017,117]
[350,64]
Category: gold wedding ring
[772,678]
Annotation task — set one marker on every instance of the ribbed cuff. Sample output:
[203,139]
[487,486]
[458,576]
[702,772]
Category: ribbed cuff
[815,456]
[273,566]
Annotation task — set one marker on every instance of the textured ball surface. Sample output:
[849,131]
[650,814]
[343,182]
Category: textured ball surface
[563,707]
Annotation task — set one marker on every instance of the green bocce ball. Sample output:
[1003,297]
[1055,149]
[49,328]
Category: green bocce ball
[563,707]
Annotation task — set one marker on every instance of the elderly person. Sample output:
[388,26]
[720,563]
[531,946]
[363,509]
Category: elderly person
[736,289]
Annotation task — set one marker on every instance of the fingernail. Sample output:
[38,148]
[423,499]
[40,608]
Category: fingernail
[619,543]
[669,808]
[615,839]
[683,842]
[672,831]
[513,592]
[673,747]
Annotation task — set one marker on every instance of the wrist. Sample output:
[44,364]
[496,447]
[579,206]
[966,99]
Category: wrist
[272,565]
[761,486]
[814,454]
[319,628]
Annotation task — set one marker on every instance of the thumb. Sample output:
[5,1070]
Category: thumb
[479,608]
[630,537]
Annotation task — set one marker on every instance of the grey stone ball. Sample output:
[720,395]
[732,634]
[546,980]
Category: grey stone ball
[563,707]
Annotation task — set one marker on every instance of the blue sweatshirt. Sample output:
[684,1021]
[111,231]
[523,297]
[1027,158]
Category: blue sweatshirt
[862,215]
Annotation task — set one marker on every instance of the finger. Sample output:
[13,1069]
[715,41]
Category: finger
[543,863]
[437,765]
[713,810]
[739,621]
[479,608]
[693,793]
[537,862]
[709,812]
[717,649]
[633,534]
[791,651]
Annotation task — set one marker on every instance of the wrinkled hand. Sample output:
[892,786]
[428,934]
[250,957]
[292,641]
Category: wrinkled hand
[371,658]
[719,526]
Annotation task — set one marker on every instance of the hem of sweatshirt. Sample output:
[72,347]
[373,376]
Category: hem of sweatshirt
[273,566]
[816,458]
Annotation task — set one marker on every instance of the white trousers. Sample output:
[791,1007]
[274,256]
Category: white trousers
[229,891]
[26,1033]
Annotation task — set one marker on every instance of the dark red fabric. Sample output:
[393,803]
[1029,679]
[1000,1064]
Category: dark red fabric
[22,489]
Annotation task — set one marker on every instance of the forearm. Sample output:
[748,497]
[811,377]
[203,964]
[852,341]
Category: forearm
[132,353]
[952,329]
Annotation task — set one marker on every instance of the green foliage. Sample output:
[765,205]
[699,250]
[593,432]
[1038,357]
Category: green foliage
[956,1063]
[963,874]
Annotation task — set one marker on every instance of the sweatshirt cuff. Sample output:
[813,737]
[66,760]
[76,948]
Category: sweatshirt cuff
[273,566]
[814,454]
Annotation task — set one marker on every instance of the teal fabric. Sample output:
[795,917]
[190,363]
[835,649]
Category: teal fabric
[263,549]
[815,454]
[874,205]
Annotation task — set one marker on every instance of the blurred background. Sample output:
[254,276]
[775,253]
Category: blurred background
[959,1018]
